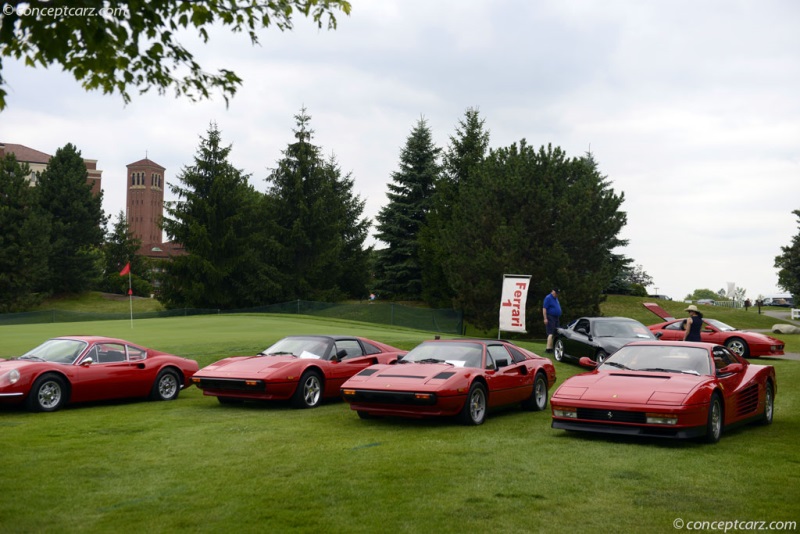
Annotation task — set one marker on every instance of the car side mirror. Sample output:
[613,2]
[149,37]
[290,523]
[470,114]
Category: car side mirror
[587,362]
[87,362]
[730,369]
[658,335]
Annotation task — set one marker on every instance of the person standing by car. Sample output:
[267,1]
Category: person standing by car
[693,324]
[551,310]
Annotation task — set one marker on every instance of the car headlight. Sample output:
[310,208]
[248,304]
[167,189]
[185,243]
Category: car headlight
[571,413]
[661,419]
[13,376]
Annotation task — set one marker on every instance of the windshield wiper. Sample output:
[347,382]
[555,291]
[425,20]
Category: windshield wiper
[279,353]
[433,360]
[618,365]
[32,357]
[663,370]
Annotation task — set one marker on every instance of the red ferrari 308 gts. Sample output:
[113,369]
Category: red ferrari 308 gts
[670,389]
[460,378]
[303,369]
[91,368]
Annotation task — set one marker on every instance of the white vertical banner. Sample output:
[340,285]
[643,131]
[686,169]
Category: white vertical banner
[512,302]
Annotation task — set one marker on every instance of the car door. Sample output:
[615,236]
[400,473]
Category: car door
[104,373]
[711,334]
[729,383]
[673,331]
[352,360]
[510,381]
[577,344]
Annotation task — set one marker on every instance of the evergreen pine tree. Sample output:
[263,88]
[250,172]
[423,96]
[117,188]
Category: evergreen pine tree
[321,229]
[788,265]
[24,239]
[77,223]
[225,229]
[398,269]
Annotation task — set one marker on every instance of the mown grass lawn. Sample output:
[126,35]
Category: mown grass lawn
[195,465]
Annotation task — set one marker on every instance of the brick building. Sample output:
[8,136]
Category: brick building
[37,161]
[145,208]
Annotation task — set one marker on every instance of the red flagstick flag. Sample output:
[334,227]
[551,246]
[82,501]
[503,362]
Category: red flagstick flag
[125,270]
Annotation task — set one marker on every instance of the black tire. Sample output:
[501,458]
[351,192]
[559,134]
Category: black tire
[48,394]
[558,350]
[474,410]
[738,346]
[715,419]
[309,390]
[601,356]
[538,399]
[769,404]
[166,387]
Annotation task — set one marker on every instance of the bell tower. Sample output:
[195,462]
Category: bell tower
[145,202]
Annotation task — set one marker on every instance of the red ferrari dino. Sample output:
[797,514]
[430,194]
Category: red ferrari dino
[671,389]
[460,378]
[91,368]
[303,369]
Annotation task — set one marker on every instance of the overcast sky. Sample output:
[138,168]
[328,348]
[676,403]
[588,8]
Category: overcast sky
[691,108]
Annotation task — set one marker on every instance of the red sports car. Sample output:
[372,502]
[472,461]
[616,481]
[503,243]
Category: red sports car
[671,389]
[460,378]
[303,369]
[91,368]
[745,344]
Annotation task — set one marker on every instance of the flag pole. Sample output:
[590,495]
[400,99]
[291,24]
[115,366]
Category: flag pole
[130,297]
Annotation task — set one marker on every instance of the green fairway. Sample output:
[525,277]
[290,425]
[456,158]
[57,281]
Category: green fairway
[194,465]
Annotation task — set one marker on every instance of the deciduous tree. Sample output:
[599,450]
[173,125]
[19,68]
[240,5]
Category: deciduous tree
[788,264]
[115,46]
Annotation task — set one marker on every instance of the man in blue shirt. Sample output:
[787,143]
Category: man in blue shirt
[551,309]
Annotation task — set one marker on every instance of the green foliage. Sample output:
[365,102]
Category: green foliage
[135,43]
[703,294]
[319,222]
[121,248]
[467,150]
[788,264]
[628,280]
[398,268]
[533,212]
[77,223]
[23,240]
[225,228]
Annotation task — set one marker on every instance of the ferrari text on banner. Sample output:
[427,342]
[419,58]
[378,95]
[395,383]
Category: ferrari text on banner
[512,302]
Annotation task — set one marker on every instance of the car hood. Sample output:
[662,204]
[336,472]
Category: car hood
[250,366]
[404,376]
[630,387]
[764,338]
[613,344]
[7,365]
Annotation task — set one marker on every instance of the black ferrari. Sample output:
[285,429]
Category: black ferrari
[597,337]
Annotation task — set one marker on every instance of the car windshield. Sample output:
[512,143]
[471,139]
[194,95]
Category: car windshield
[300,347]
[664,359]
[56,351]
[457,354]
[622,329]
[719,325]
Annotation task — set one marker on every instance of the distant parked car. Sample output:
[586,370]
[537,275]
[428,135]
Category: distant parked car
[597,337]
[660,297]
[745,344]
[671,389]
[707,302]
[455,377]
[91,368]
[302,369]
